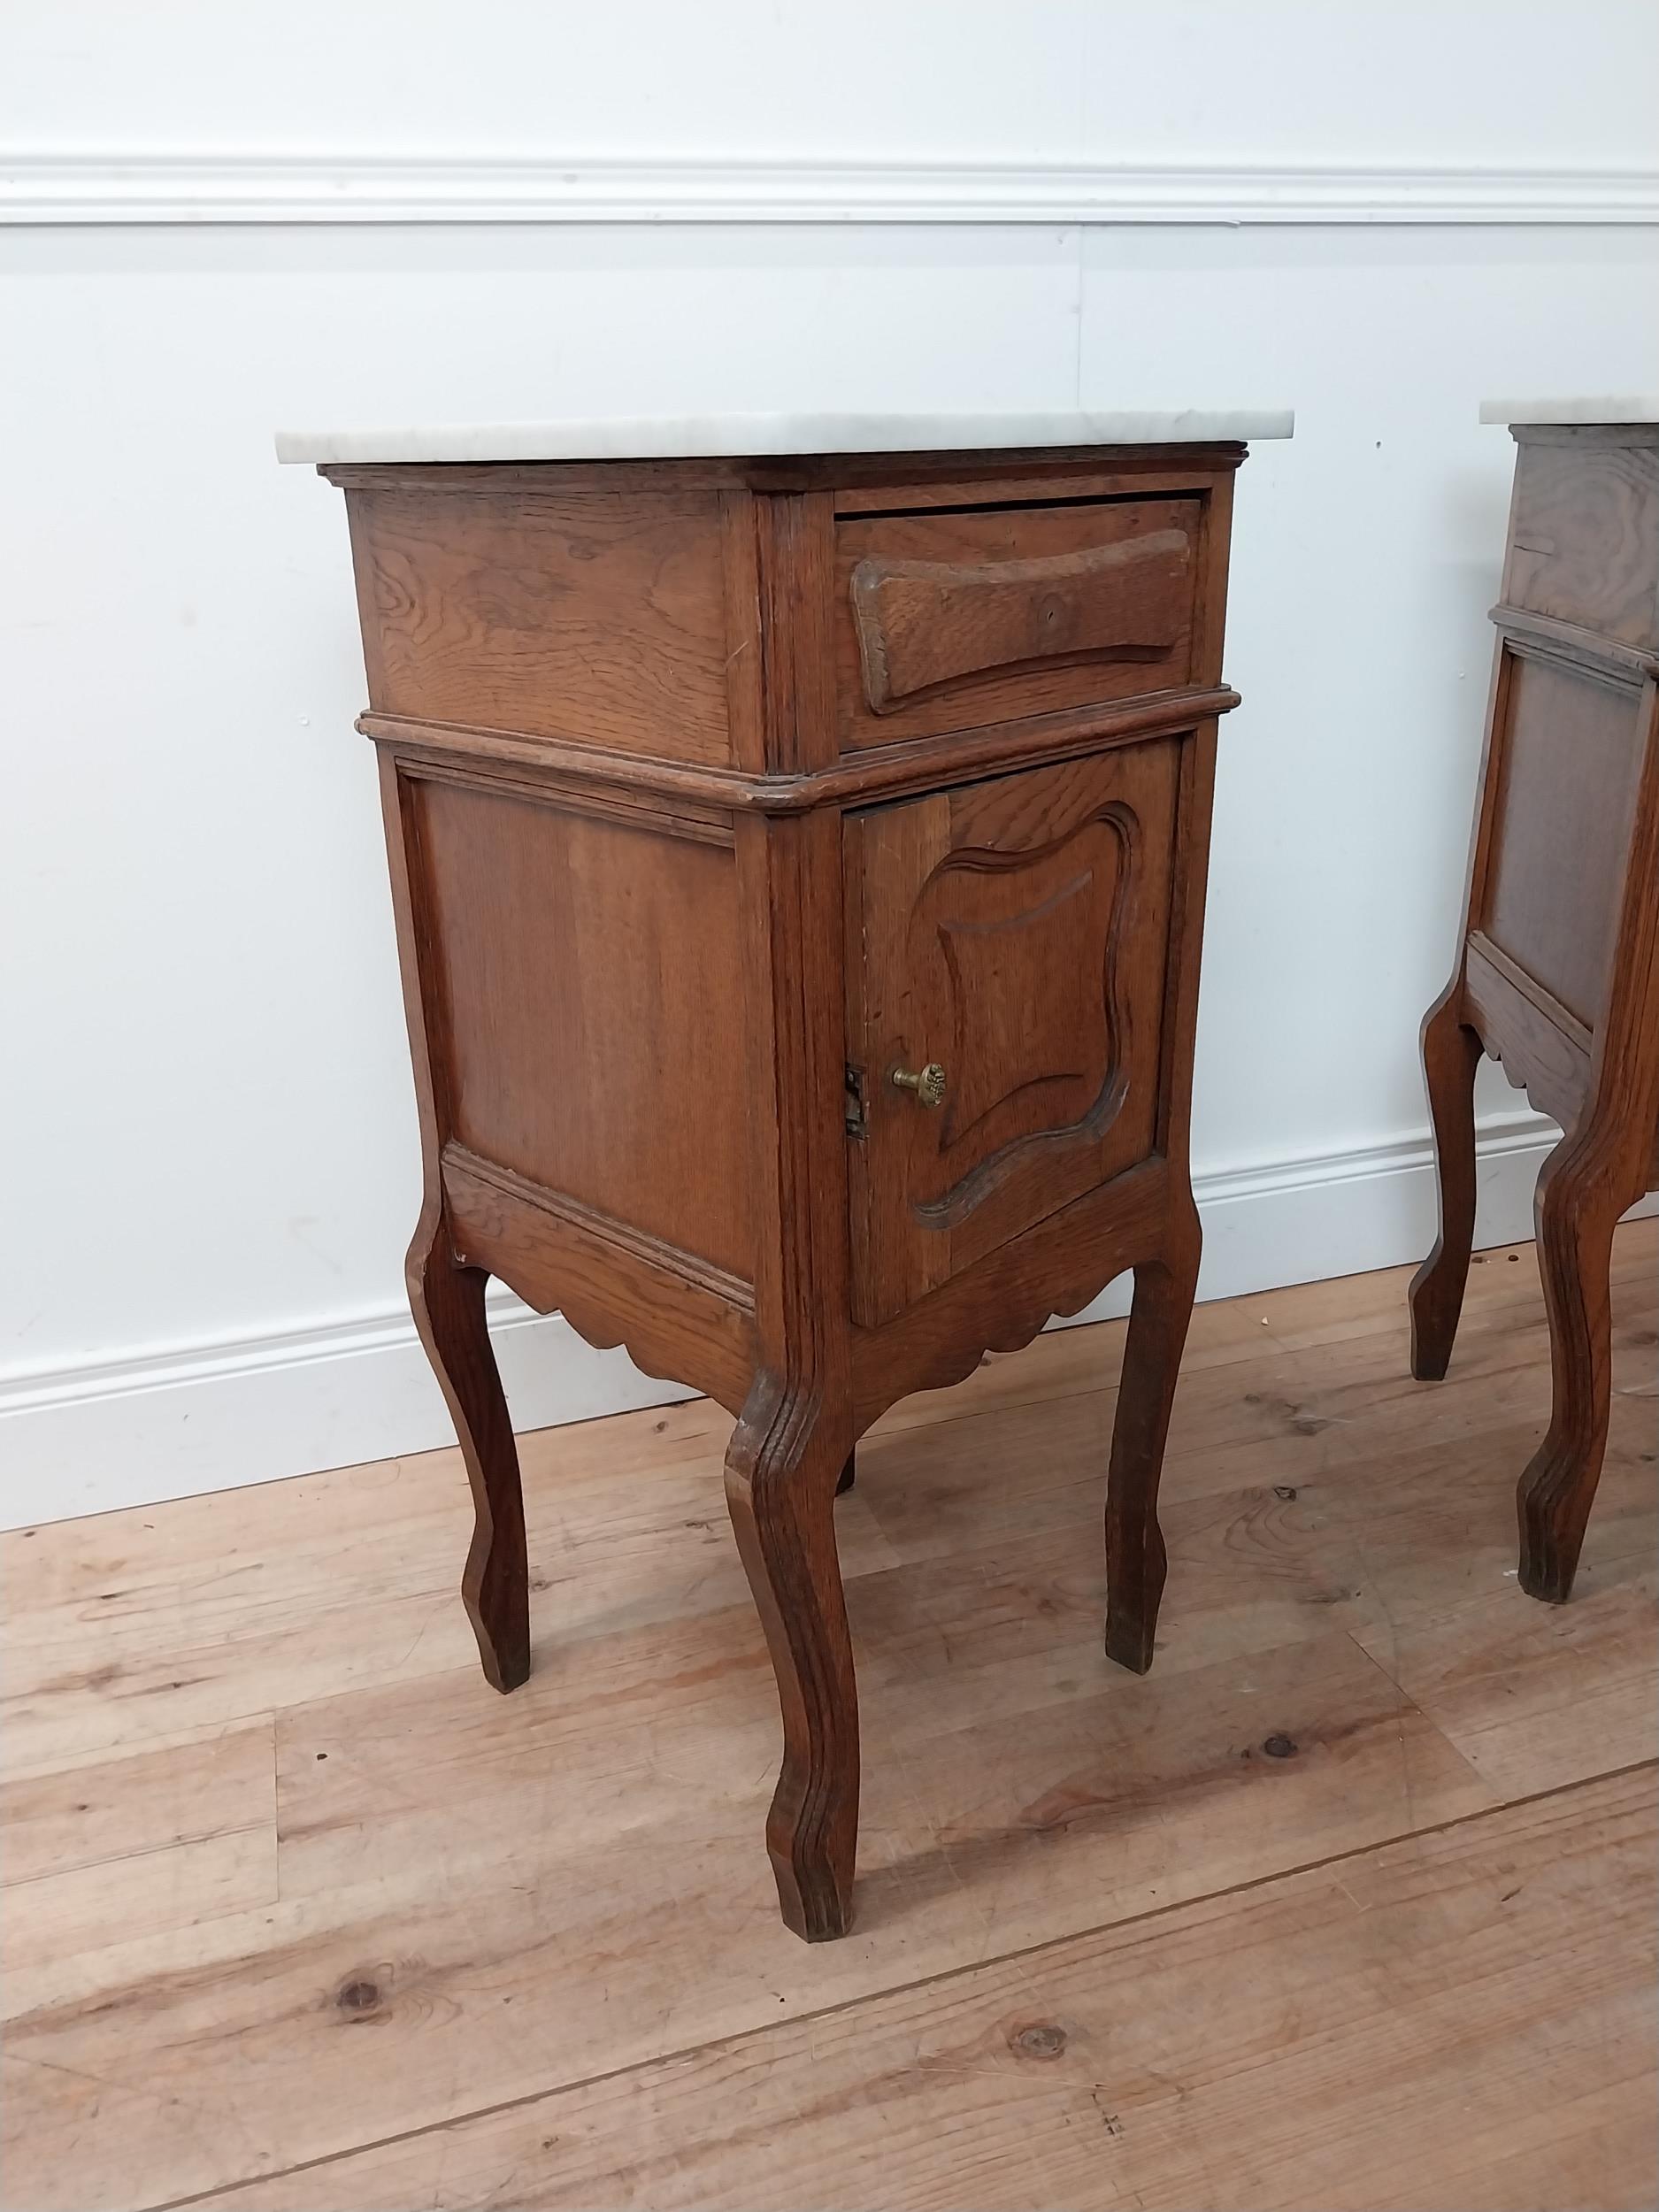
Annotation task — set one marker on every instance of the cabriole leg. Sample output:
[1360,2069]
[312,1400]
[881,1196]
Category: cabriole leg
[448,1302]
[1451,1053]
[782,1474]
[1576,1217]
[1158,1321]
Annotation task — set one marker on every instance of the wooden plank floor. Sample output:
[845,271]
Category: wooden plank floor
[300,1914]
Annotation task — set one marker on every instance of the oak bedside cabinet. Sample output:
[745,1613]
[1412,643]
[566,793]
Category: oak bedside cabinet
[798,832]
[1557,970]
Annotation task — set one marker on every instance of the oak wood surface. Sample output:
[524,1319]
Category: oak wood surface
[856,481]
[588,980]
[511,1942]
[1443,2021]
[598,618]
[678,1317]
[1583,533]
[1572,770]
[613,713]
[796,1430]
[1548,1049]
[679,793]
[1016,932]
[1056,1266]
[152,1833]
[956,619]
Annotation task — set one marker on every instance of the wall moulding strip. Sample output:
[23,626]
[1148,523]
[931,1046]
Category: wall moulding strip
[115,188]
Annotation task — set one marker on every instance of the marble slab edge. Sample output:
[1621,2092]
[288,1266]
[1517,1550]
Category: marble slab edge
[1625,408]
[745,437]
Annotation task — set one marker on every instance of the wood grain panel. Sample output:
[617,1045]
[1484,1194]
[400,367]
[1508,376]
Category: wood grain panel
[949,620]
[161,1835]
[685,795]
[925,622]
[596,618]
[677,1319]
[1492,1982]
[1543,1050]
[589,978]
[483,1899]
[179,1791]
[872,484]
[49,1921]
[1569,763]
[1015,932]
[1584,543]
[1056,1266]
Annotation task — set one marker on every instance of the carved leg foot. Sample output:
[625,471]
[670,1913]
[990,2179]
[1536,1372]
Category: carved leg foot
[447,1302]
[781,1475]
[848,1475]
[1152,1356]
[1451,1053]
[1576,1219]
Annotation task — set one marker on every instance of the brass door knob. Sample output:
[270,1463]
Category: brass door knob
[928,1083]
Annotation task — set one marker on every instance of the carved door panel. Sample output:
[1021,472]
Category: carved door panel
[1013,934]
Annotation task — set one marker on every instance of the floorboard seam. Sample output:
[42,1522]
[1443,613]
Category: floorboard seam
[1434,1729]
[16,1887]
[226,2190]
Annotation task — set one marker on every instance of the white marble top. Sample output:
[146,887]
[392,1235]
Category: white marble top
[1625,409]
[738,437]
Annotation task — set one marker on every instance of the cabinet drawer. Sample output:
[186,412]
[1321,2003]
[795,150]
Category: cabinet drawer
[1014,933]
[958,617]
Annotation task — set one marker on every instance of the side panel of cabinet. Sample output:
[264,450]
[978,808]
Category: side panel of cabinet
[620,620]
[1564,771]
[584,980]
[1583,535]
[1016,932]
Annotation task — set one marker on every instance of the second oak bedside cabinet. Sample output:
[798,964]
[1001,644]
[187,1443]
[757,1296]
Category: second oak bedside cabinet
[1558,968]
[798,831]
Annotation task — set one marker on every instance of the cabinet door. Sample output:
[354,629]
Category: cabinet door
[1014,933]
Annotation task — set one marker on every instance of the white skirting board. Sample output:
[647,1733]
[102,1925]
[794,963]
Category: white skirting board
[213,1417]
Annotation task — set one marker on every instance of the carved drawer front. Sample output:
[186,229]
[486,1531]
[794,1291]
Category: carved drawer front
[959,617]
[1013,935]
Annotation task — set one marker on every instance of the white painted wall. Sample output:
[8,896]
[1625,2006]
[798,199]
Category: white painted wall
[1455,84]
[206,1108]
